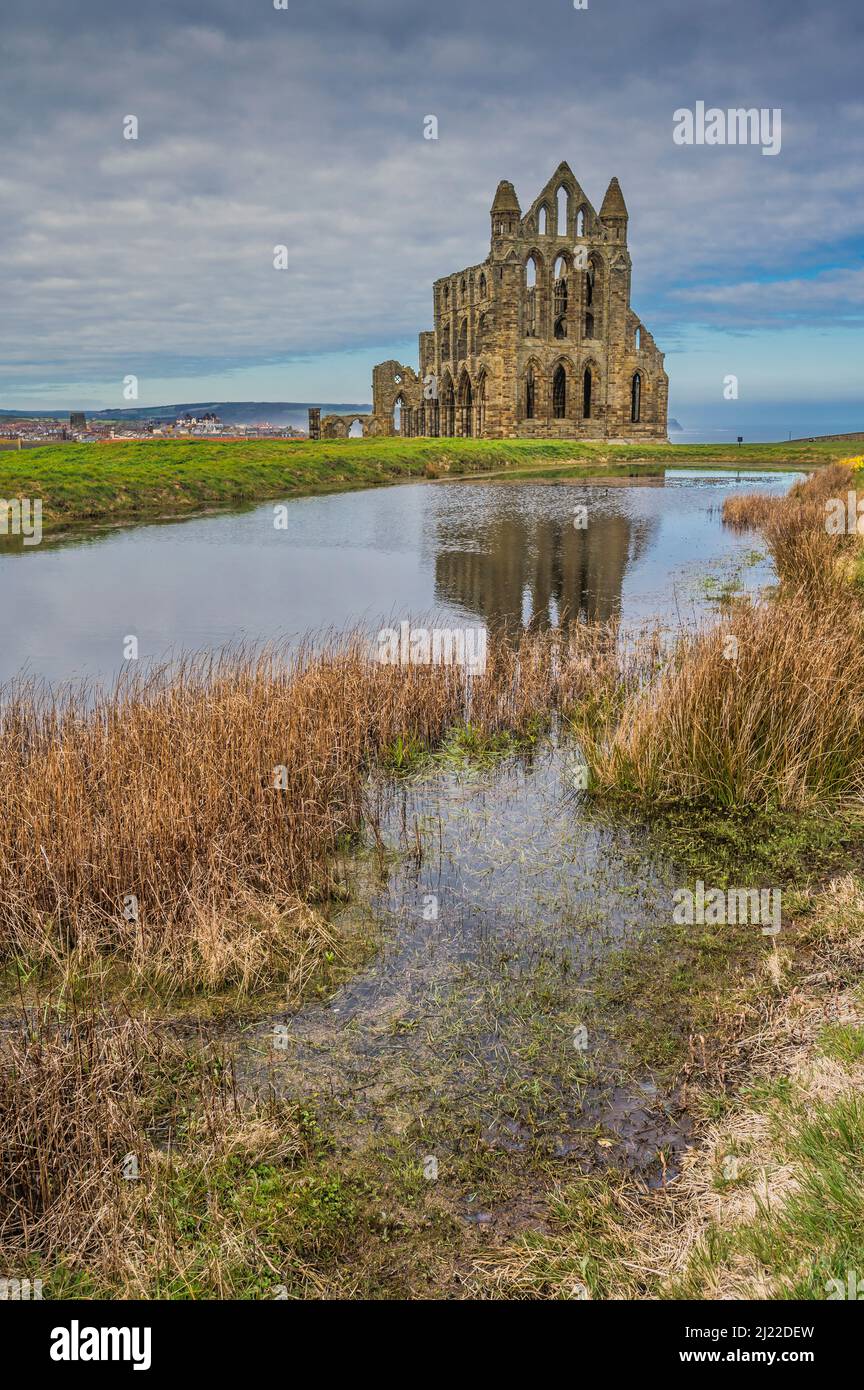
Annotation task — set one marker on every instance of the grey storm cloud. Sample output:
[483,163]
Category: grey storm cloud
[304,127]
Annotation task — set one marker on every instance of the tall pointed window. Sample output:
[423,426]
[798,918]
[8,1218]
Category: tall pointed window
[448,410]
[531,293]
[529,394]
[635,398]
[560,310]
[481,403]
[593,298]
[559,393]
[466,406]
[563,209]
[586,394]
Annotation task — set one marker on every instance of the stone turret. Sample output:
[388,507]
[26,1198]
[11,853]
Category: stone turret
[613,212]
[506,213]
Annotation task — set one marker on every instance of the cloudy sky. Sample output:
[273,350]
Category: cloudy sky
[303,126]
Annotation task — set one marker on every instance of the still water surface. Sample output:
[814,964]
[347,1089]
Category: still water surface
[472,552]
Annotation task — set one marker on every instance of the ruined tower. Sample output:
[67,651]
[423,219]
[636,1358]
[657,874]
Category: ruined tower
[536,341]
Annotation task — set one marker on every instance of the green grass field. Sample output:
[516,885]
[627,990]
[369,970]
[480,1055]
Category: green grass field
[82,484]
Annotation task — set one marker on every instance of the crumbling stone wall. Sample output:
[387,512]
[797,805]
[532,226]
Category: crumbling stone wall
[537,341]
[339,426]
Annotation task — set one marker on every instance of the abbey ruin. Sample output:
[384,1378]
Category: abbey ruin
[537,341]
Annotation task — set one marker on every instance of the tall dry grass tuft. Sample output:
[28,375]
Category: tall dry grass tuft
[67,1116]
[748,511]
[766,710]
[808,557]
[805,554]
[775,720]
[183,821]
[105,1120]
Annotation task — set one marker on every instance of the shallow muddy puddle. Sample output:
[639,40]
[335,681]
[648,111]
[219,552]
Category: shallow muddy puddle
[476,1014]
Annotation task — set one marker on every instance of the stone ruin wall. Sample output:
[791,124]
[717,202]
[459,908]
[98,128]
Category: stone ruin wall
[509,359]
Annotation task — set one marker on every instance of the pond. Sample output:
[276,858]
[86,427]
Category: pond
[478,551]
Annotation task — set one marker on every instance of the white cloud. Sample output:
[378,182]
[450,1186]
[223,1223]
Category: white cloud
[155,256]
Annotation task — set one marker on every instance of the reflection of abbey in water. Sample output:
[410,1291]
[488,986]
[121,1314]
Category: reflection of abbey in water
[540,569]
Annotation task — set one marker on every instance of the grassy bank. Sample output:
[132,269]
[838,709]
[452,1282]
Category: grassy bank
[84,484]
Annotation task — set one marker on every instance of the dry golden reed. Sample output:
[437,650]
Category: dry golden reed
[184,821]
[748,511]
[767,709]
[106,1121]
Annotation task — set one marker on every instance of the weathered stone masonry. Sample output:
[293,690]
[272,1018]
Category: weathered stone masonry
[539,341]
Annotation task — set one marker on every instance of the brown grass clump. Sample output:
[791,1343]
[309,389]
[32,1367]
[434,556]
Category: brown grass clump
[806,554]
[107,1123]
[755,510]
[766,710]
[68,1115]
[775,720]
[181,821]
[748,511]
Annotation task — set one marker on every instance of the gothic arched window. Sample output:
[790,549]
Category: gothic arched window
[559,393]
[635,398]
[563,204]
[530,297]
[560,311]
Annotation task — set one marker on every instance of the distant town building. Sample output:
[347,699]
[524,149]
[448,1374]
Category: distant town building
[205,418]
[77,420]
